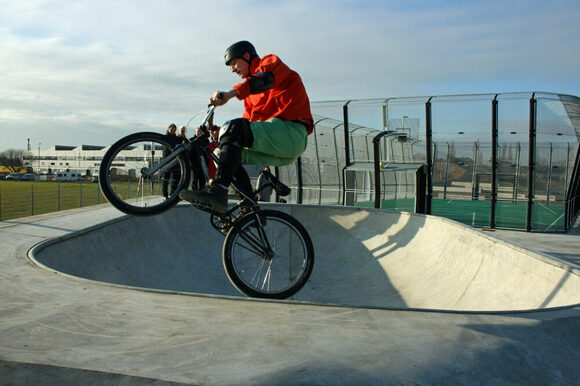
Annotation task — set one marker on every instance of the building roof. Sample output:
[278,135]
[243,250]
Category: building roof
[81,147]
[64,147]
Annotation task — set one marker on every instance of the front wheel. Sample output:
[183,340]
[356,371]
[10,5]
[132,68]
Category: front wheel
[268,257]
[133,181]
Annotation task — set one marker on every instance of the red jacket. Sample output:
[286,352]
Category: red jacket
[287,99]
[211,168]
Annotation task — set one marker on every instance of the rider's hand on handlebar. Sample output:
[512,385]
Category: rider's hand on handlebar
[220,98]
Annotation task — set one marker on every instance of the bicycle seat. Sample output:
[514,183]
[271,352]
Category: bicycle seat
[279,187]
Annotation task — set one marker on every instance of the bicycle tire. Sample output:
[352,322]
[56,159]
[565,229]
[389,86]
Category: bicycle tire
[122,165]
[276,277]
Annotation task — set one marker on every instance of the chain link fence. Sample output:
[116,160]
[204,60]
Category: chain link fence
[22,199]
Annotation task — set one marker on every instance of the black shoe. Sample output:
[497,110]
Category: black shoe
[215,198]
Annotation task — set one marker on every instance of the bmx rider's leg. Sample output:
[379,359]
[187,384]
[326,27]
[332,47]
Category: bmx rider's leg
[244,182]
[234,135]
[276,143]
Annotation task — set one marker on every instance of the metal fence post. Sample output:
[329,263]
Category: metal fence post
[58,198]
[346,151]
[420,189]
[377,167]
[300,181]
[346,134]
[428,156]
[31,200]
[494,162]
[531,162]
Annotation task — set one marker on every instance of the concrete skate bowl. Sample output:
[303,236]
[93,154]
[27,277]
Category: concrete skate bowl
[364,258]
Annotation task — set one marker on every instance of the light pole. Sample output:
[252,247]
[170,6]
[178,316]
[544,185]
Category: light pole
[39,143]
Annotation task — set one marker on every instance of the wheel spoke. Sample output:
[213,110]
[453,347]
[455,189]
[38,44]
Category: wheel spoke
[250,249]
[257,274]
[267,277]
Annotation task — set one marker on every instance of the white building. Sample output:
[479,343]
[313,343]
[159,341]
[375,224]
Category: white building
[60,158]
[87,159]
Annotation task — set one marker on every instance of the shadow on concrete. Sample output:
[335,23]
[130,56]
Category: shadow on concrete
[18,373]
[348,247]
[518,353]
[9,223]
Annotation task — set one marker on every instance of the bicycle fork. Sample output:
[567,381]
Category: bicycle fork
[262,247]
[259,243]
[165,164]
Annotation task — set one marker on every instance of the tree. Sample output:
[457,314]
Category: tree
[13,159]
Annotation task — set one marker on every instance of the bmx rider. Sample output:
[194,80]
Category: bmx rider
[274,127]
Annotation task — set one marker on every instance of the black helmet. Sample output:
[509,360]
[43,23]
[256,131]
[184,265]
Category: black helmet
[237,50]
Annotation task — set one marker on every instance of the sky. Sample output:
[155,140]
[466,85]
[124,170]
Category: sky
[91,72]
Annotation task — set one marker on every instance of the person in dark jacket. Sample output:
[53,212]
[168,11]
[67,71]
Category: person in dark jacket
[266,193]
[182,134]
[173,174]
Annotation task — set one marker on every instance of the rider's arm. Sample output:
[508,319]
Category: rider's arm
[269,72]
[270,69]
[260,82]
[220,98]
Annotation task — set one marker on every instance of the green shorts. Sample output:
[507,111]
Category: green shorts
[276,143]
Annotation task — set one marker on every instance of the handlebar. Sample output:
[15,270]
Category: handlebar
[210,110]
[203,126]
[209,114]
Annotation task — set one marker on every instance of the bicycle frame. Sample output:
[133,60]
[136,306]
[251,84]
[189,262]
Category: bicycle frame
[255,237]
[197,149]
[165,164]
[197,146]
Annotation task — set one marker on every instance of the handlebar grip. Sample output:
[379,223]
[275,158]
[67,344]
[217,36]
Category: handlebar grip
[220,95]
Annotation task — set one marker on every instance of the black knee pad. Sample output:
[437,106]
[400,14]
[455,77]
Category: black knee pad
[237,131]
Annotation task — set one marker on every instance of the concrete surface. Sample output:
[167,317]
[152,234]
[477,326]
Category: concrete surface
[409,300]
[363,259]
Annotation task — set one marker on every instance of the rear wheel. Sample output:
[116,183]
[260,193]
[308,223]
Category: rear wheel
[272,258]
[130,181]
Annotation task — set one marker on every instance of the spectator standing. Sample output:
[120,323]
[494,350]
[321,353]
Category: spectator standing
[172,175]
[266,193]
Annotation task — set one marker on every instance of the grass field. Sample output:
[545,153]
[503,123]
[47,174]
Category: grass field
[27,198]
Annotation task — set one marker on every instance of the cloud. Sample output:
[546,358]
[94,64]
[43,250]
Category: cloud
[90,72]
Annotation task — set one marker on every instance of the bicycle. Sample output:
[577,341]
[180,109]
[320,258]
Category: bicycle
[266,253]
